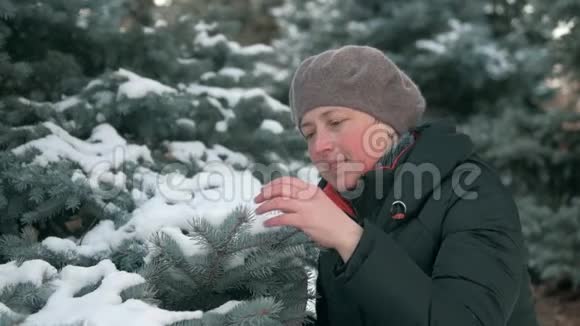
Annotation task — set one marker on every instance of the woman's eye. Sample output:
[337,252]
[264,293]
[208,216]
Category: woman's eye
[335,122]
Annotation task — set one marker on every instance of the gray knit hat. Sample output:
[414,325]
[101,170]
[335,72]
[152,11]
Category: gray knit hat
[360,78]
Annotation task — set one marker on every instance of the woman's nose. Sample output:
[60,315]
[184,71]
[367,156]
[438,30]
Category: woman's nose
[322,142]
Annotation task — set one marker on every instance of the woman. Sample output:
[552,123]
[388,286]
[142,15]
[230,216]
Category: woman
[420,230]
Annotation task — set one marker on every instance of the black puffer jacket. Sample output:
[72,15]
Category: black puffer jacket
[430,253]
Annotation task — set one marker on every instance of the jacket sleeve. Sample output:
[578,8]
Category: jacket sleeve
[476,274]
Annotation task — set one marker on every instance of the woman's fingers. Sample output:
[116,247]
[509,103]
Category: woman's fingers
[290,219]
[285,205]
[291,180]
[286,187]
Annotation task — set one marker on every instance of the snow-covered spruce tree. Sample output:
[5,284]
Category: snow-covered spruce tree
[115,192]
[256,278]
[72,201]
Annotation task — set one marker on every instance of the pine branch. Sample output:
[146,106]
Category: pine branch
[129,256]
[26,298]
[10,318]
[44,211]
[144,292]
[192,322]
[261,311]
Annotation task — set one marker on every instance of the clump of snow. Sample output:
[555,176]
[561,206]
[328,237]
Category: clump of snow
[187,61]
[29,102]
[234,73]
[443,42]
[261,68]
[228,114]
[188,246]
[230,95]
[137,86]
[221,126]
[251,50]
[31,271]
[93,83]
[104,151]
[226,307]
[431,46]
[208,75]
[201,25]
[231,157]
[564,28]
[162,22]
[185,151]
[272,125]
[202,39]
[78,175]
[155,184]
[498,62]
[100,235]
[157,213]
[61,245]
[185,123]
[233,95]
[98,242]
[103,306]
[274,104]
[67,103]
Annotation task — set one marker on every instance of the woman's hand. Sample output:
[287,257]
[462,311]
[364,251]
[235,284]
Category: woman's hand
[305,206]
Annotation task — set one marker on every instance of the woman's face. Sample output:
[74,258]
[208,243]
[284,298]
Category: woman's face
[344,143]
